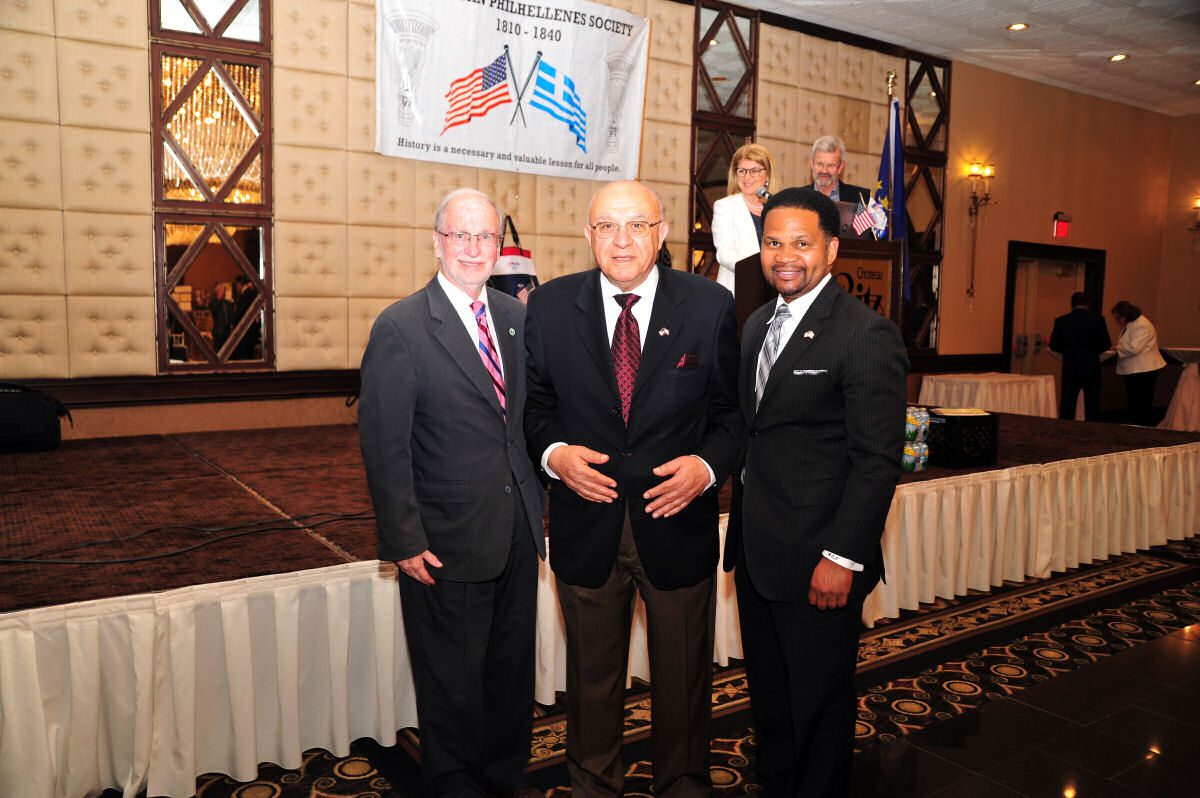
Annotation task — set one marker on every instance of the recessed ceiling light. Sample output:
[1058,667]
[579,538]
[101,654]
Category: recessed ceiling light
[1018,26]
[1118,57]
[713,42]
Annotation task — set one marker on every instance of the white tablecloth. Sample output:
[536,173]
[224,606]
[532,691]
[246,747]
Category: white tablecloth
[1026,394]
[152,690]
[1183,412]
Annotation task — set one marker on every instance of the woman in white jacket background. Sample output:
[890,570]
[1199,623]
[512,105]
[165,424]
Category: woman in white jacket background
[1138,360]
[737,218]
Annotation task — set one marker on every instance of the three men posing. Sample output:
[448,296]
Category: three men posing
[633,414]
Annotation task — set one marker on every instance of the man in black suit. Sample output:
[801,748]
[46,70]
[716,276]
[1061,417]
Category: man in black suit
[1080,336]
[458,504]
[828,162]
[822,388]
[633,414]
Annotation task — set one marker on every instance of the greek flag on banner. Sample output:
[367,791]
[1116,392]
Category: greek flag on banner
[554,93]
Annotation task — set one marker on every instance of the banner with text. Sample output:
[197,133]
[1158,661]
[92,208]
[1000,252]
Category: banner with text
[552,89]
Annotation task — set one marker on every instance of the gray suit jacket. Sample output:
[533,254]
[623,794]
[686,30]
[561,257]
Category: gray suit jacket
[825,443]
[443,465]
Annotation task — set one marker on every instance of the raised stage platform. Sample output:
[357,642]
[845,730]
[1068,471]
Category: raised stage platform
[206,602]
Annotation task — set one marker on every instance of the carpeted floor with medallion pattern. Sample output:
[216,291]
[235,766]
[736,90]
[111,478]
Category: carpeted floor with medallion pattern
[944,660]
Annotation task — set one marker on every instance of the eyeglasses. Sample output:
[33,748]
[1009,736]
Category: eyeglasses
[637,228]
[755,172]
[459,237]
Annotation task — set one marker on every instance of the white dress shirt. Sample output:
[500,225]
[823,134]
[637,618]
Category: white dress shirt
[797,308]
[641,311]
[462,306]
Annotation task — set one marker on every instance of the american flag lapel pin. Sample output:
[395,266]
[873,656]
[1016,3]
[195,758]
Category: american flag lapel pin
[809,333]
[664,331]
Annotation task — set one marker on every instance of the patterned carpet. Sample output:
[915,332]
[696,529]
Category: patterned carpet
[934,664]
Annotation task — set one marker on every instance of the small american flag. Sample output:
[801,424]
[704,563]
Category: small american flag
[473,96]
[862,219]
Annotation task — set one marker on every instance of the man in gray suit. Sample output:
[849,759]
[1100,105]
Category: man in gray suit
[822,388]
[458,505]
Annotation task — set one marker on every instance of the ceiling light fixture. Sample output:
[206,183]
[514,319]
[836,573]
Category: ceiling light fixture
[1018,26]
[1118,57]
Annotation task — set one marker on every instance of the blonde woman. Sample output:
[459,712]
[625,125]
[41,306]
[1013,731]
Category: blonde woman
[737,218]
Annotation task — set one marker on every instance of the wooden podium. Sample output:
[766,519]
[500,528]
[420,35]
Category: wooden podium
[869,270]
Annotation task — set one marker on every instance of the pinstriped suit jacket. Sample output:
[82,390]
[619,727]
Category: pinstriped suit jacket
[823,456]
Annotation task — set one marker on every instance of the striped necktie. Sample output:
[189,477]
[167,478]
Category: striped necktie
[770,351]
[487,351]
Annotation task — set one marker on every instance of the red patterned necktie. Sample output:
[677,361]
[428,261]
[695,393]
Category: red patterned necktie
[626,350]
[487,351]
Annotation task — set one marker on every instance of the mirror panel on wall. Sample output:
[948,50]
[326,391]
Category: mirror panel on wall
[212,179]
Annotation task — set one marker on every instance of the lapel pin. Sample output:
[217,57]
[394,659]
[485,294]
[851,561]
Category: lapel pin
[664,331]
[809,333]
[511,331]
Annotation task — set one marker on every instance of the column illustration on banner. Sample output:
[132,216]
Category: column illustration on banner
[619,67]
[412,29]
[444,67]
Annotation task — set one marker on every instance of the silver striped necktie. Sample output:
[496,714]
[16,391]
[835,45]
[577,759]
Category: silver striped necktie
[770,351]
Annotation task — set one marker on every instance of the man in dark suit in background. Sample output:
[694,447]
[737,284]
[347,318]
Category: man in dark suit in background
[633,413]
[458,504]
[1080,336]
[828,162]
[822,388]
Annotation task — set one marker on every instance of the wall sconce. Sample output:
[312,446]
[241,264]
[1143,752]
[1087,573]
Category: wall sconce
[981,176]
[1195,228]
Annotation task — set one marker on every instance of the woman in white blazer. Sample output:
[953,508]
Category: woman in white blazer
[737,218]
[1138,360]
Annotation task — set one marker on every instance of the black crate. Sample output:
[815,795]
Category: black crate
[29,420]
[962,441]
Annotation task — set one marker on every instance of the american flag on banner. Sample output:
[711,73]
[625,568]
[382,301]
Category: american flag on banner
[473,96]
[862,219]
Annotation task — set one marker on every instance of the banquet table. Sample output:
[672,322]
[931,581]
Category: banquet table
[1025,394]
[1183,413]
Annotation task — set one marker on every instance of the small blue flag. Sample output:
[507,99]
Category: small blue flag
[554,93]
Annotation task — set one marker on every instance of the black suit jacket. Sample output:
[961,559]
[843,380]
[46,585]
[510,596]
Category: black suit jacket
[824,451]
[684,402]
[443,465]
[1080,336]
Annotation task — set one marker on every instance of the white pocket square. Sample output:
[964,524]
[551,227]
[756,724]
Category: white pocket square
[809,372]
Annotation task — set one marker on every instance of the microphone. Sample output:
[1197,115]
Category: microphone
[763,194]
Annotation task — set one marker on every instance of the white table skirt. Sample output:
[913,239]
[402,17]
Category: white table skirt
[152,690]
[1026,394]
[1183,413]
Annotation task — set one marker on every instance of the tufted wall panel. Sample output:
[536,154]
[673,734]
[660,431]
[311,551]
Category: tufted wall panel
[360,35]
[360,115]
[310,184]
[562,205]
[778,55]
[311,333]
[103,85]
[362,314]
[515,193]
[431,182]
[674,199]
[666,151]
[108,254]
[33,336]
[113,21]
[670,98]
[671,33]
[105,170]
[31,252]
[380,189]
[791,162]
[311,35]
[28,77]
[380,261]
[559,255]
[310,259]
[310,109]
[853,123]
[110,336]
[27,15]
[30,176]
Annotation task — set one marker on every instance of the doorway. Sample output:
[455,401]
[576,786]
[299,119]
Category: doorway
[1041,279]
